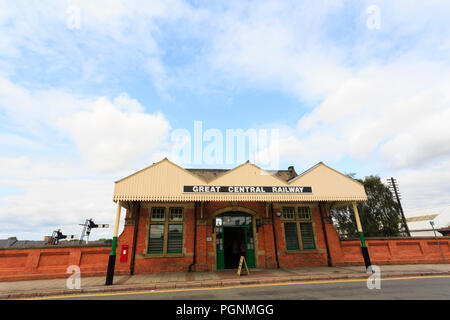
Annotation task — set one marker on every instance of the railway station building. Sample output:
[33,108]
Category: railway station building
[181,219]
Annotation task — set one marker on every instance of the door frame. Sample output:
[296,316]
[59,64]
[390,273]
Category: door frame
[254,215]
[245,229]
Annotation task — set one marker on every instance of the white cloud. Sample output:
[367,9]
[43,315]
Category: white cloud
[110,135]
[110,139]
[406,117]
[424,187]
[36,33]
[46,204]
[380,97]
[274,43]
[35,111]
[43,184]
[22,168]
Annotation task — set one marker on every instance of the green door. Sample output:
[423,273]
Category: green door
[250,252]
[219,248]
[234,220]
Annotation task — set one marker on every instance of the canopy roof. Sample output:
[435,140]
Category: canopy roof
[165,181]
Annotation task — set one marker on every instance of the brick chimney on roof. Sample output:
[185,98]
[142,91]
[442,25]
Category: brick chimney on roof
[292,171]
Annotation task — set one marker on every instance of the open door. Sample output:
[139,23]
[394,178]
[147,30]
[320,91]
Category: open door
[233,229]
[220,247]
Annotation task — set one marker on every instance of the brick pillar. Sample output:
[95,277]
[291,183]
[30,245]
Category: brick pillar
[269,245]
[75,257]
[424,248]
[32,262]
[202,263]
[392,249]
[334,242]
[127,238]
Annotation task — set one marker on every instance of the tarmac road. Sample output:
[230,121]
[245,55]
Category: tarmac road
[409,288]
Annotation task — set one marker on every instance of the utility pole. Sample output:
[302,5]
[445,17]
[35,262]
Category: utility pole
[435,236]
[393,186]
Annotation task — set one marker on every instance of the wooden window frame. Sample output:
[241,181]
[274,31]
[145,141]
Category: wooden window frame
[298,221]
[150,232]
[285,239]
[293,211]
[312,231]
[166,224]
[158,221]
[309,214]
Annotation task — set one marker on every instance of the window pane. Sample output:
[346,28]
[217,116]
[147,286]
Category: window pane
[290,233]
[307,235]
[288,213]
[219,236]
[234,220]
[158,214]
[176,214]
[304,213]
[156,238]
[175,239]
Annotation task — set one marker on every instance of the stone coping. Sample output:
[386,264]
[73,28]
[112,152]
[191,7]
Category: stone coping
[58,246]
[397,238]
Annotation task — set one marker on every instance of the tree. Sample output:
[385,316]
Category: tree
[379,215]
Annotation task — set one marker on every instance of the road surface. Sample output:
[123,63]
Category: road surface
[432,287]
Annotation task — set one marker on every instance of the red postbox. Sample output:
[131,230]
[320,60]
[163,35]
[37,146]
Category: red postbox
[124,253]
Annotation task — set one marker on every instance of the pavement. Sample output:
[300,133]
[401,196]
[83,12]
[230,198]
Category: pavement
[225,278]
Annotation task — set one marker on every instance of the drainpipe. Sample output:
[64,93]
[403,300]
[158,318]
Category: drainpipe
[325,233]
[112,255]
[195,238]
[274,236]
[136,226]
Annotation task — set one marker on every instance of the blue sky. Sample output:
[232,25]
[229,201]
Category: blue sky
[91,91]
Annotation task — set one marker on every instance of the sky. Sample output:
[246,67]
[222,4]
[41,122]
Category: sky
[92,91]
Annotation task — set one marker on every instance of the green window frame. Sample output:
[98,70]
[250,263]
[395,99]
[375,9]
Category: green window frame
[298,228]
[158,214]
[307,233]
[176,215]
[304,213]
[175,238]
[166,230]
[288,213]
[156,238]
[291,236]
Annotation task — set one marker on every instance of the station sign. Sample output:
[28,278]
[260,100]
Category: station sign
[247,189]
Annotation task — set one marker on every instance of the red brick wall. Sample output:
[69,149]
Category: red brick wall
[396,251]
[49,263]
[52,262]
[153,263]
[205,250]
[297,258]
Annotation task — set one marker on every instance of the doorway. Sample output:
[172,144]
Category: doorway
[234,245]
[234,236]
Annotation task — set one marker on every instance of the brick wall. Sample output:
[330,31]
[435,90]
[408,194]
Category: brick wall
[52,262]
[396,251]
[49,263]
